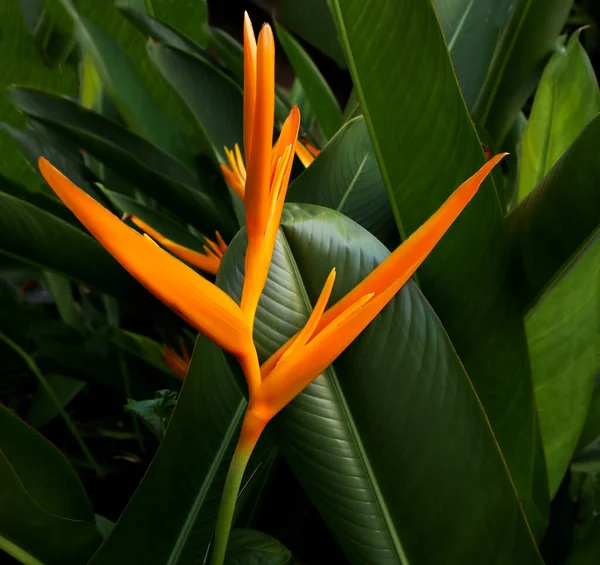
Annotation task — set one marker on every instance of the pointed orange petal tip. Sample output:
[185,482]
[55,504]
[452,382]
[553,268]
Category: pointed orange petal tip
[196,300]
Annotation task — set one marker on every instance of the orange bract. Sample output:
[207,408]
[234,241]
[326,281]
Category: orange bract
[328,333]
[199,302]
[208,261]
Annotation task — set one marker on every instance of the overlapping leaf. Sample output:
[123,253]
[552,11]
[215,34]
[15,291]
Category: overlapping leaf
[426,145]
[375,439]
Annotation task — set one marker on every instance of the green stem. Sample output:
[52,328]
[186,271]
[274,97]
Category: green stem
[252,427]
[228,500]
[50,392]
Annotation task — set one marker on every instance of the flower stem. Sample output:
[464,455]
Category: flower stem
[252,427]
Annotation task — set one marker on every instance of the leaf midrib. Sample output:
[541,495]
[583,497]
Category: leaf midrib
[355,436]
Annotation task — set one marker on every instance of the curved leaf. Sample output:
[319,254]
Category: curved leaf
[165,178]
[567,98]
[21,64]
[426,145]
[521,54]
[213,98]
[345,177]
[559,215]
[177,501]
[249,547]
[563,330]
[34,236]
[379,436]
[472,28]
[319,95]
[122,82]
[44,510]
[312,21]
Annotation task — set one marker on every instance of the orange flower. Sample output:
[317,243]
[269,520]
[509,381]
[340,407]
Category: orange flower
[196,300]
[328,333]
[208,261]
[263,182]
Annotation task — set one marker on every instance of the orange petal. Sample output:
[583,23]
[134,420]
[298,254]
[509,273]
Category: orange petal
[305,156]
[260,248]
[387,278]
[199,302]
[259,163]
[234,181]
[405,260]
[249,83]
[207,262]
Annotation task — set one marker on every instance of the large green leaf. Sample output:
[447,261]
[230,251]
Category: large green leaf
[214,99]
[176,503]
[319,95]
[312,21]
[521,54]
[563,330]
[32,235]
[377,439]
[121,78]
[188,17]
[426,145]
[472,28]
[44,511]
[21,64]
[567,98]
[163,177]
[559,215]
[591,427]
[345,177]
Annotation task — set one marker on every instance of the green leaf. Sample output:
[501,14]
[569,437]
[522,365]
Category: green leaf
[34,236]
[472,28]
[559,215]
[44,511]
[521,53]
[121,80]
[426,146]
[319,95]
[214,99]
[311,20]
[229,51]
[21,64]
[366,438]
[161,32]
[60,289]
[43,409]
[345,177]
[563,331]
[249,547]
[566,100]
[163,177]
[154,412]
[188,17]
[177,501]
[591,428]
[141,346]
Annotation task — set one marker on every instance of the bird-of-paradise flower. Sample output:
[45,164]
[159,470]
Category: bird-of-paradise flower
[179,364]
[208,261]
[207,308]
